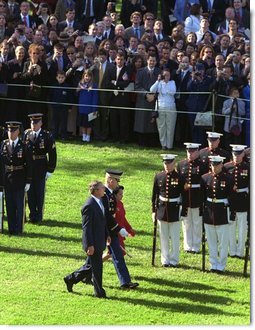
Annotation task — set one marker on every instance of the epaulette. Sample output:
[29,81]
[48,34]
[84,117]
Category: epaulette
[28,130]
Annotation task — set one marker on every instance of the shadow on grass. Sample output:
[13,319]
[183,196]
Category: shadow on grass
[185,285]
[57,238]
[200,309]
[56,223]
[41,253]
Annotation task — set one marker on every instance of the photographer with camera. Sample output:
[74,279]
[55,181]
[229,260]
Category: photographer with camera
[196,102]
[165,108]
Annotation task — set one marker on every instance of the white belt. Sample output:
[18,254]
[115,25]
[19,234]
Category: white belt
[171,200]
[196,185]
[242,190]
[215,200]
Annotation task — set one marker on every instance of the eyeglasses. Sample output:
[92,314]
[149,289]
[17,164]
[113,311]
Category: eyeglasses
[2,6]
[151,50]
[70,53]
[150,19]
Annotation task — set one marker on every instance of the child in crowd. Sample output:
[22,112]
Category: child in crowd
[60,94]
[88,100]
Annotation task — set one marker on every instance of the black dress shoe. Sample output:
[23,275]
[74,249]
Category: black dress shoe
[173,266]
[213,270]
[130,285]
[100,296]
[165,265]
[69,285]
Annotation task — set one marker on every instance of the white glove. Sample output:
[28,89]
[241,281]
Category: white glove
[231,222]
[123,232]
[153,217]
[48,175]
[27,187]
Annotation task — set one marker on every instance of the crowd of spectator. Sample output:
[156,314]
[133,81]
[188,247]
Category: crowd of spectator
[57,52]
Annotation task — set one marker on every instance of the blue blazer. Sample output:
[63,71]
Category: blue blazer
[94,230]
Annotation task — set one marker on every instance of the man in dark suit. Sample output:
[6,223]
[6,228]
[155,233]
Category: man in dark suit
[214,11]
[94,237]
[16,176]
[222,27]
[12,11]
[43,149]
[88,11]
[158,32]
[27,19]
[181,77]
[102,72]
[59,62]
[242,16]
[109,32]
[135,30]
[120,118]
[143,125]
[69,21]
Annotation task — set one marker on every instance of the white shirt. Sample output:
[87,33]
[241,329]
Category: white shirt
[37,133]
[99,202]
[166,93]
[15,142]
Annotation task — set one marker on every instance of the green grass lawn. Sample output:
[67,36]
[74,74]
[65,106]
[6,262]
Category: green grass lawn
[32,267]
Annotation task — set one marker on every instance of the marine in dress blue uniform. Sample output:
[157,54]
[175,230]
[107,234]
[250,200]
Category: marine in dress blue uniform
[217,187]
[166,200]
[43,149]
[213,149]
[239,201]
[192,168]
[16,176]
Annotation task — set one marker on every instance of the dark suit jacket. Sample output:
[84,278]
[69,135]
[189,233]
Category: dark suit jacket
[98,9]
[94,230]
[32,21]
[112,33]
[14,16]
[121,98]
[129,32]
[219,6]
[62,25]
[104,97]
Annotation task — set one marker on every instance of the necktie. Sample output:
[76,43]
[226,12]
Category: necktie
[182,75]
[106,35]
[60,64]
[101,206]
[34,136]
[11,8]
[101,73]
[236,70]
[25,20]
[13,146]
[137,33]
[209,5]
[87,9]
[238,16]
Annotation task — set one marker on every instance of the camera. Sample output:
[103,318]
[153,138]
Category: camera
[20,31]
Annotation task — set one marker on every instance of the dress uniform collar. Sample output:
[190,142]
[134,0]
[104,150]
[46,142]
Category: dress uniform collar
[15,142]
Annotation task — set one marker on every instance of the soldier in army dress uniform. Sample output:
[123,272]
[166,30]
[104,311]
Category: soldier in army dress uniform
[192,169]
[240,201]
[166,200]
[217,187]
[43,148]
[213,148]
[16,170]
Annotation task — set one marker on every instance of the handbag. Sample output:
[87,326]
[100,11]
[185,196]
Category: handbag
[34,92]
[235,130]
[3,89]
[203,119]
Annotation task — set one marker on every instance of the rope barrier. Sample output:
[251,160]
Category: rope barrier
[117,107]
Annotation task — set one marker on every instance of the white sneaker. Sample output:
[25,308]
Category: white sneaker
[87,138]
[84,137]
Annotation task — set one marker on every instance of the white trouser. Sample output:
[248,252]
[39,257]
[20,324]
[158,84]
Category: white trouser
[217,236]
[166,126]
[192,230]
[169,231]
[237,246]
